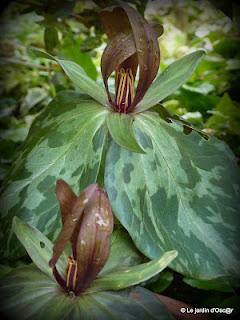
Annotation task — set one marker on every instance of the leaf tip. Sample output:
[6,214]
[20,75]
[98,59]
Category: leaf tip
[200,52]
[16,223]
[174,253]
[170,255]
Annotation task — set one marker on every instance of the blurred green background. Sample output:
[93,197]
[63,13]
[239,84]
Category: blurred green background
[72,30]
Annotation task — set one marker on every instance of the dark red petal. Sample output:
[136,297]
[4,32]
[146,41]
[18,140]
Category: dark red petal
[118,50]
[66,198]
[115,21]
[59,278]
[158,28]
[71,222]
[148,52]
[93,241]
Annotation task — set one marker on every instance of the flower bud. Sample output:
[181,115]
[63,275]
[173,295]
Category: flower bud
[88,224]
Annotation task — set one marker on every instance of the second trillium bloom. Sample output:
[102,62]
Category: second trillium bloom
[133,45]
[88,223]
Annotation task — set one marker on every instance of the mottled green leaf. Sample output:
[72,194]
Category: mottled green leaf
[131,276]
[37,246]
[218,284]
[182,194]
[170,80]
[66,141]
[120,126]
[27,293]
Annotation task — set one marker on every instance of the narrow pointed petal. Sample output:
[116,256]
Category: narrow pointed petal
[158,28]
[59,278]
[66,198]
[115,21]
[120,48]
[93,245]
[71,223]
[146,42]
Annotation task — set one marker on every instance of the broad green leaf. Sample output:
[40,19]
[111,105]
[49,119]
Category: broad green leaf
[132,276]
[79,77]
[218,284]
[65,141]
[123,253]
[120,126]
[27,293]
[182,194]
[173,77]
[37,246]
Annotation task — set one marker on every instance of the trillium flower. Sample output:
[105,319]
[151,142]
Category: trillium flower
[31,291]
[132,53]
[133,45]
[88,223]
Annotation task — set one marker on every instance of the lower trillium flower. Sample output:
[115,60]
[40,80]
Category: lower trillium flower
[31,292]
[88,223]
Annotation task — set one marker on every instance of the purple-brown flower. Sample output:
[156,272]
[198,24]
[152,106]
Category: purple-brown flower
[88,223]
[133,45]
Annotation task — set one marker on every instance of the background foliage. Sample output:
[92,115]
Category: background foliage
[71,30]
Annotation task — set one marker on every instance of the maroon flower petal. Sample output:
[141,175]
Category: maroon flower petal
[115,21]
[66,198]
[59,278]
[71,221]
[123,19]
[93,244]
[119,49]
[146,42]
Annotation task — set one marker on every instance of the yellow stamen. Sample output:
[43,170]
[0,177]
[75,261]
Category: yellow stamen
[71,273]
[124,89]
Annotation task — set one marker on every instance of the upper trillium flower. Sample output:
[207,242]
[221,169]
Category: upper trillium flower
[133,56]
[88,223]
[133,45]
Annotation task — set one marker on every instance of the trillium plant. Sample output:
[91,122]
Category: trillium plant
[171,187]
[81,285]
